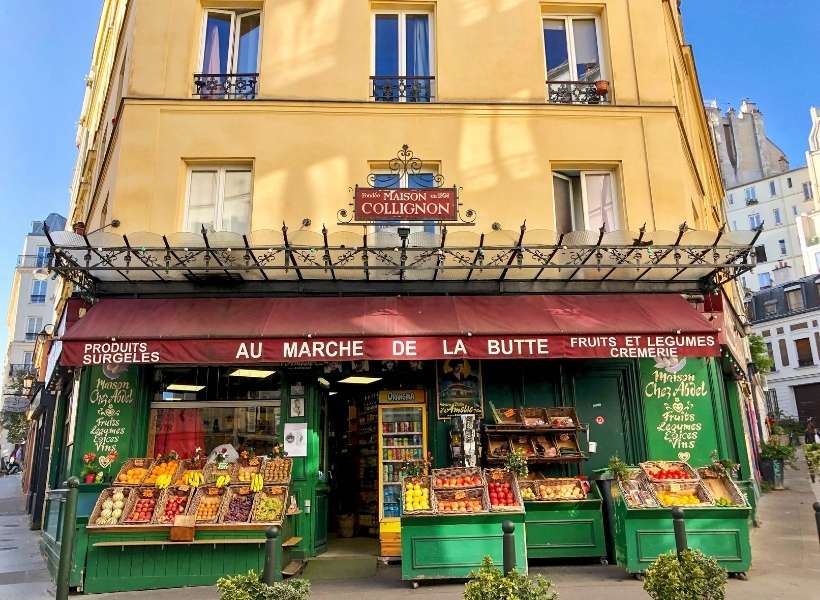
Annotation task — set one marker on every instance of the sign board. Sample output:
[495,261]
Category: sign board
[433,347]
[402,397]
[459,389]
[405,204]
[296,439]
[680,420]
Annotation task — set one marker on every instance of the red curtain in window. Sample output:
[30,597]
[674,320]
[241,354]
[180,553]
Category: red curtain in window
[179,429]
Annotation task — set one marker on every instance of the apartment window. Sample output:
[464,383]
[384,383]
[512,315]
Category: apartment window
[784,353]
[795,212]
[789,182]
[572,53]
[778,220]
[42,257]
[766,333]
[769,306]
[798,326]
[764,280]
[760,253]
[402,63]
[751,195]
[406,180]
[33,326]
[731,199]
[28,360]
[754,220]
[230,54]
[734,225]
[782,245]
[807,193]
[219,198]
[585,200]
[772,189]
[38,292]
[803,347]
[770,352]
[794,299]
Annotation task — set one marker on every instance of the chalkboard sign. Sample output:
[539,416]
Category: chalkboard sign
[678,404]
[110,412]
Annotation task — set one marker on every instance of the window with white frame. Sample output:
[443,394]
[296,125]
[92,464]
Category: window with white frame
[33,326]
[772,189]
[585,200]
[794,298]
[38,292]
[778,220]
[402,56]
[754,220]
[751,195]
[42,257]
[789,182]
[807,193]
[219,199]
[765,281]
[572,48]
[28,359]
[795,211]
[230,53]
[782,245]
[731,199]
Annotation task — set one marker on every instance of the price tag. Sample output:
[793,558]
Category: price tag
[140,462]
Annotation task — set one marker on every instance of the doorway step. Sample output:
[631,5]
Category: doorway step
[353,558]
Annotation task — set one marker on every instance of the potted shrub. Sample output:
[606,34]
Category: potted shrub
[772,457]
[250,587]
[693,576]
[602,87]
[813,460]
[489,583]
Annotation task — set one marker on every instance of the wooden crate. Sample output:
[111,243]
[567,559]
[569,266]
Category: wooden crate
[107,494]
[277,491]
[133,463]
[505,476]
[233,493]
[159,514]
[498,446]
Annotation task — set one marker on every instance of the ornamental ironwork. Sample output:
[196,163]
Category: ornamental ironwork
[577,92]
[393,88]
[218,86]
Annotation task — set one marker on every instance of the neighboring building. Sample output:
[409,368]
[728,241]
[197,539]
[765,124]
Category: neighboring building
[778,203]
[31,307]
[787,317]
[745,152]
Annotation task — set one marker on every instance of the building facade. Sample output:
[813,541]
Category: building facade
[780,204]
[786,317]
[31,307]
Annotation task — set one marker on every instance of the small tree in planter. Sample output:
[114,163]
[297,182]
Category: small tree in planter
[489,583]
[250,587]
[693,576]
[772,457]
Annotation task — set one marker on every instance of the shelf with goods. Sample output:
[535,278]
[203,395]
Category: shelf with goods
[366,453]
[452,518]
[715,510]
[156,536]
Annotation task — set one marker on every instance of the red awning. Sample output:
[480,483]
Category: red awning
[256,330]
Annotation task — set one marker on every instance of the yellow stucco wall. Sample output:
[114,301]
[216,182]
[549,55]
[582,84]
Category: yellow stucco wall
[312,132]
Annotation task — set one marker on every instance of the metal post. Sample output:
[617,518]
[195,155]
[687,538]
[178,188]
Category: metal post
[680,530]
[269,574]
[67,538]
[508,527]
[817,517]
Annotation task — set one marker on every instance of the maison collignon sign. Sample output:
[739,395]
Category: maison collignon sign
[405,204]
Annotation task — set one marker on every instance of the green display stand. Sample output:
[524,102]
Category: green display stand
[641,534]
[144,559]
[572,529]
[451,547]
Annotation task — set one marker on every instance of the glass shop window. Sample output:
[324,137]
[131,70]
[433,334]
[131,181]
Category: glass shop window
[198,407]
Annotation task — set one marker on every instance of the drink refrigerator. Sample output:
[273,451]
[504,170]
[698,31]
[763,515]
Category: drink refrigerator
[402,437]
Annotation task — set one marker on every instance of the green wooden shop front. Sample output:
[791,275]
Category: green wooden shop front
[628,405]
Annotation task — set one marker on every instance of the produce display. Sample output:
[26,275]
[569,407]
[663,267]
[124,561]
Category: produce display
[269,505]
[245,473]
[416,495]
[561,490]
[461,501]
[668,471]
[503,490]
[636,495]
[207,507]
[239,507]
[143,508]
[110,507]
[682,498]
[132,476]
[722,488]
[528,493]
[501,494]
[191,477]
[456,478]
[176,502]
[277,470]
[219,472]
[541,435]
[162,472]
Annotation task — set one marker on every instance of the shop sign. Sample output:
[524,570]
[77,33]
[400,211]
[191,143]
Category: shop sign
[405,204]
[679,405]
[323,349]
[402,397]
[459,389]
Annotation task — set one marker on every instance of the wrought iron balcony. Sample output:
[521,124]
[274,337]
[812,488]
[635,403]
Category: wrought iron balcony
[37,298]
[389,88]
[578,92]
[233,86]
[22,370]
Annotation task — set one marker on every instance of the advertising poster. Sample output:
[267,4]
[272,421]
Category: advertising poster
[458,387]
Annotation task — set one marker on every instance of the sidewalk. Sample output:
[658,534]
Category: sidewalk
[785,550]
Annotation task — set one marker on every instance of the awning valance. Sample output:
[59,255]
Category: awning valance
[212,331]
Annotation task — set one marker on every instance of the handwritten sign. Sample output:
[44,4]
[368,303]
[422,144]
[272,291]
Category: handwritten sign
[678,401]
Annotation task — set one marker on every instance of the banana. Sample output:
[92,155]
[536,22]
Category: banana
[163,481]
[256,482]
[223,480]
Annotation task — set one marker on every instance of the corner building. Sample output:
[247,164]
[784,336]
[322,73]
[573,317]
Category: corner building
[335,225]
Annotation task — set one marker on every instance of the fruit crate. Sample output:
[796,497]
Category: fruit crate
[108,494]
[668,464]
[560,489]
[505,416]
[245,471]
[504,476]
[443,499]
[636,493]
[534,417]
[182,491]
[277,471]
[544,446]
[426,483]
[721,486]
[191,465]
[567,444]
[528,484]
[523,443]
[212,472]
[133,463]
[158,467]
[130,516]
[498,446]
[695,488]
[441,475]
[208,495]
[236,494]
[270,491]
[562,417]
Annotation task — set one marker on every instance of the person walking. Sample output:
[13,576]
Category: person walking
[811,431]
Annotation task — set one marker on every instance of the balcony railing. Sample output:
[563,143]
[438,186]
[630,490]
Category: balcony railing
[34,261]
[217,86]
[578,92]
[22,370]
[389,88]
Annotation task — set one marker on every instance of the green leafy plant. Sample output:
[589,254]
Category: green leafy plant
[723,466]
[250,587]
[489,583]
[618,468]
[15,425]
[791,426]
[516,462]
[760,355]
[776,452]
[694,576]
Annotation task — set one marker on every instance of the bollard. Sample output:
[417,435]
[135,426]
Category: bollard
[680,530]
[508,527]
[817,517]
[269,574]
[67,538]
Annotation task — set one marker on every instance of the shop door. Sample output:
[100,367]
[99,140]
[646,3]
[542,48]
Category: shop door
[807,398]
[600,393]
[321,502]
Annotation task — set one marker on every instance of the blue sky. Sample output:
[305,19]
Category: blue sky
[761,49]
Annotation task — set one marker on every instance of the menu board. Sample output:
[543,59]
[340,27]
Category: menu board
[110,406]
[679,410]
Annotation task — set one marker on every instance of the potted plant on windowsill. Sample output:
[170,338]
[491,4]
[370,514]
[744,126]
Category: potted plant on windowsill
[602,87]
[772,458]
